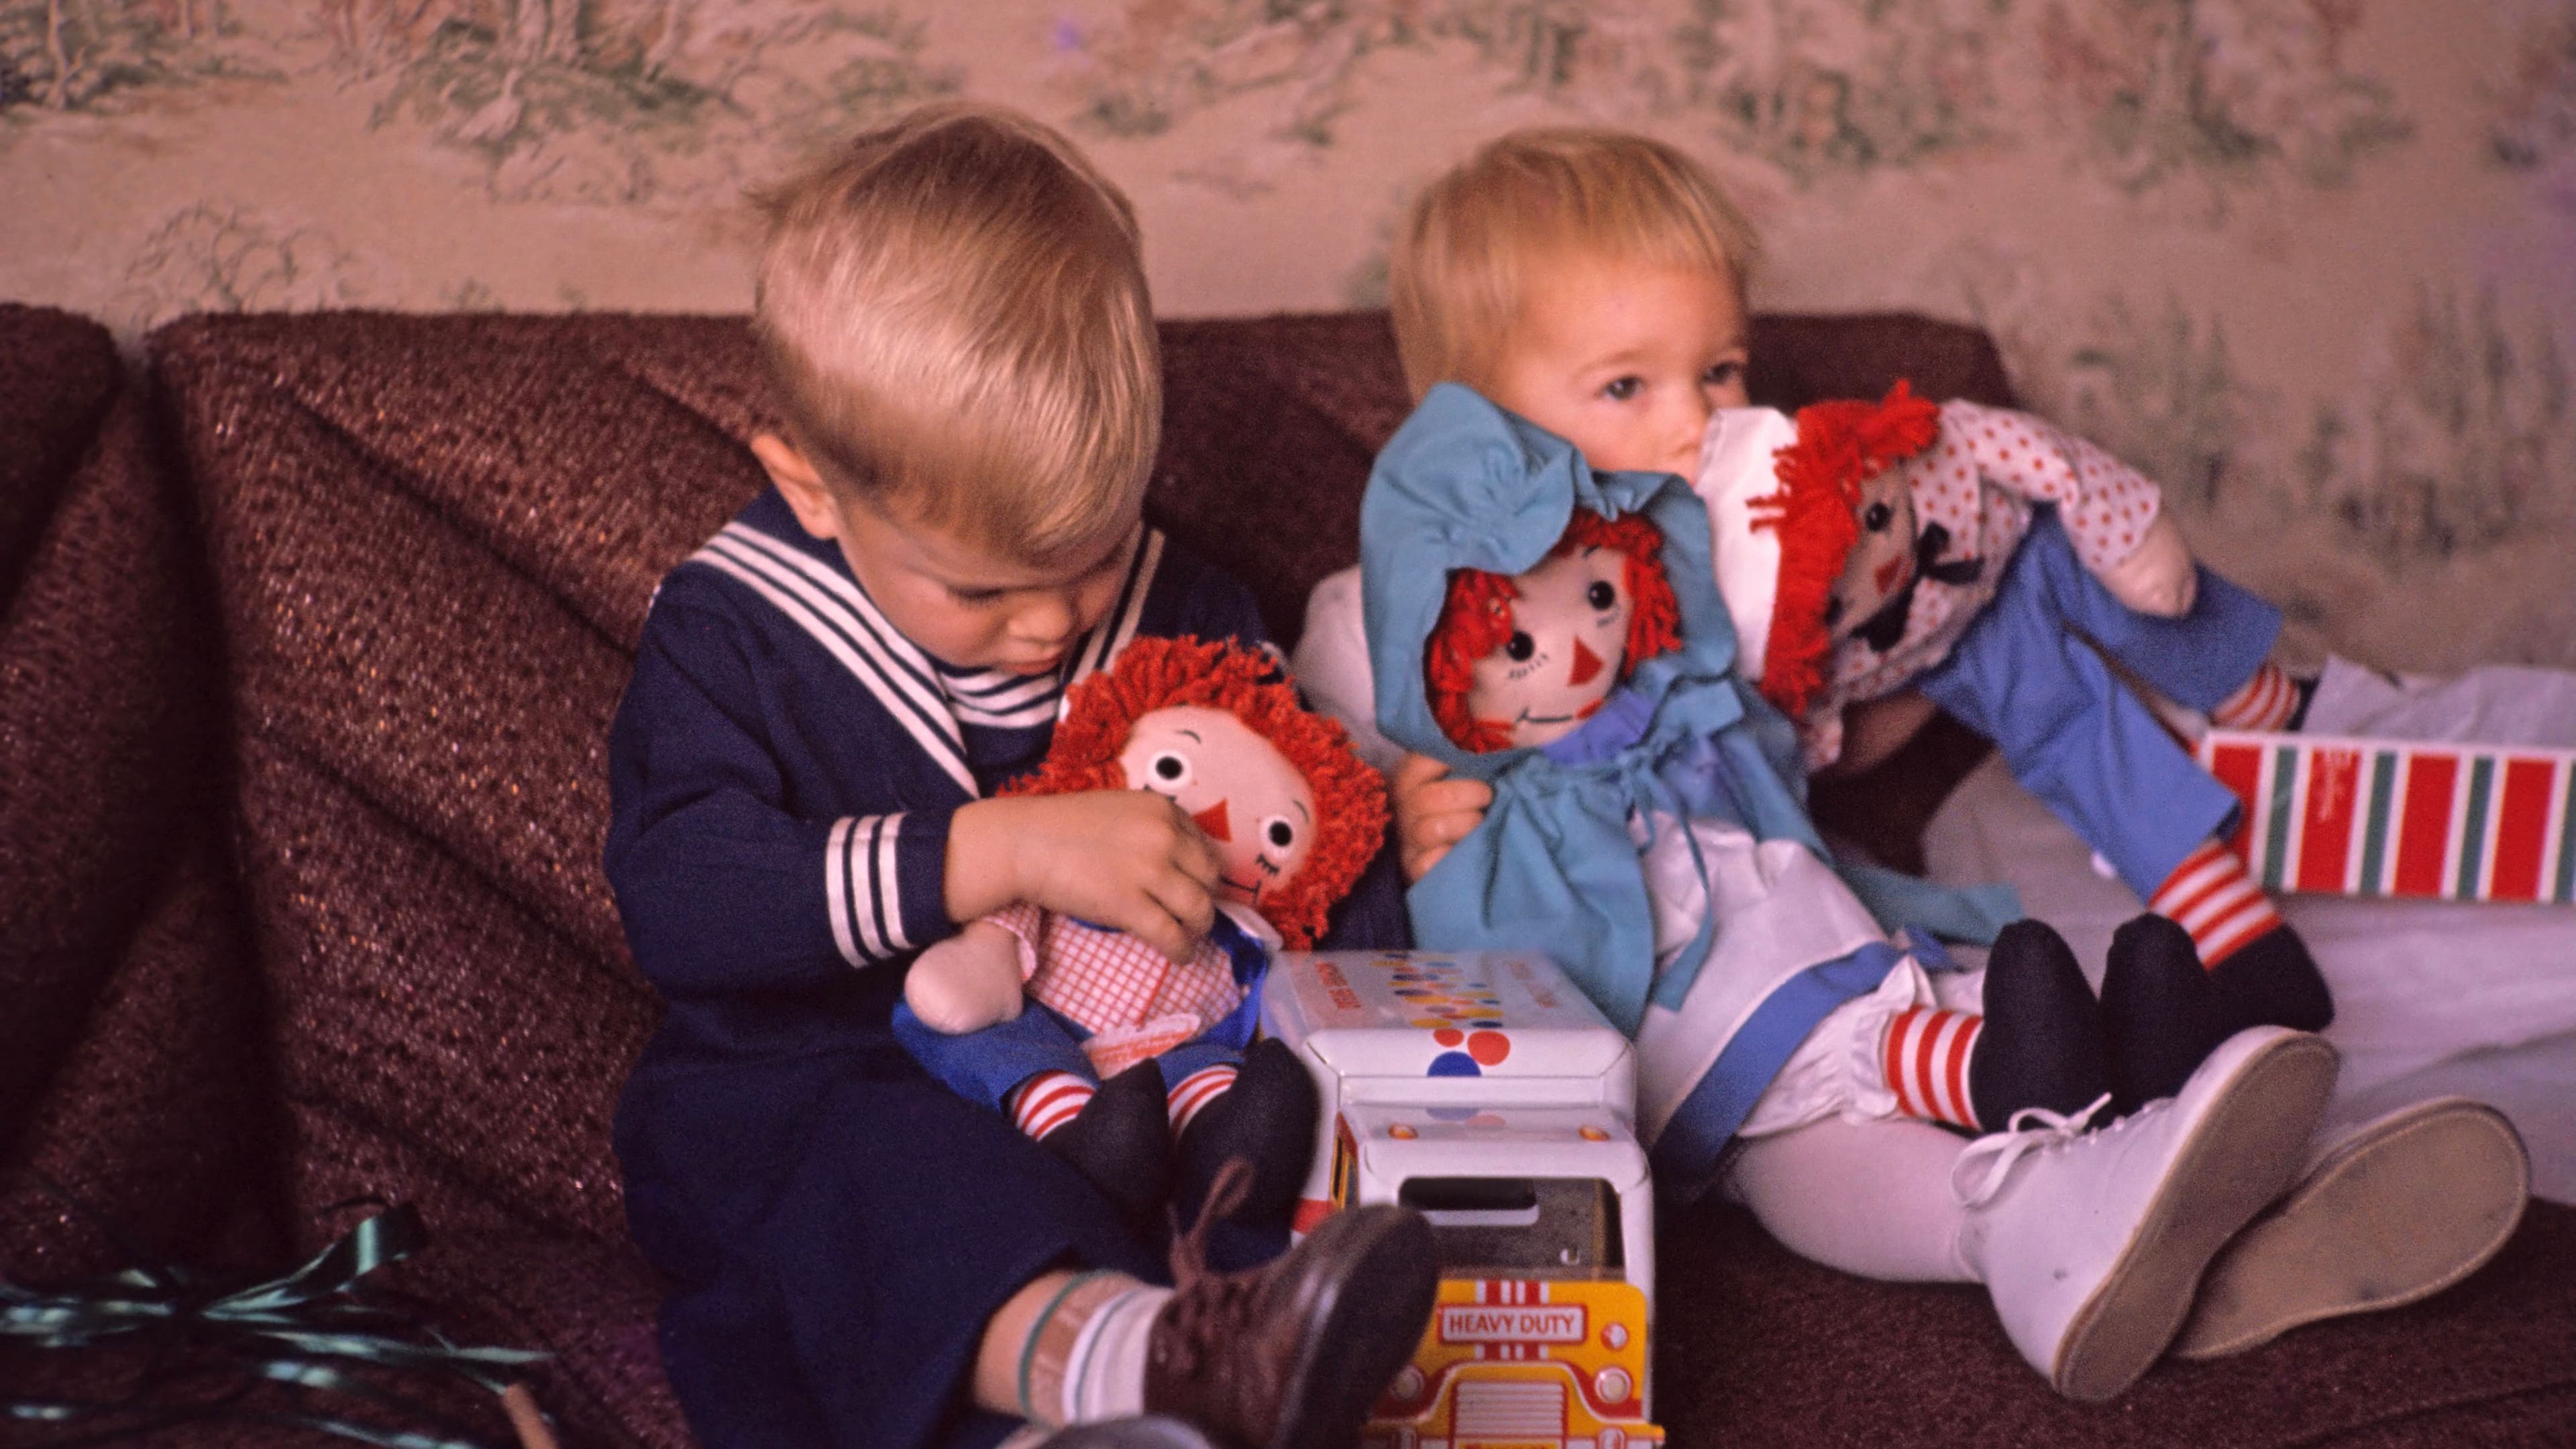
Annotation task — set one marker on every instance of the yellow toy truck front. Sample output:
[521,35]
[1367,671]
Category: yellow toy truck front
[1482,1089]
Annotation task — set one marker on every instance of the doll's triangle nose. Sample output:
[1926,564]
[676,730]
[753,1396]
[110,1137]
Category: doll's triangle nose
[1586,664]
[1212,820]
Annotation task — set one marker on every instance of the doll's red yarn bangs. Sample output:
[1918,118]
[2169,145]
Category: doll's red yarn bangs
[1476,618]
[1840,446]
[1151,674]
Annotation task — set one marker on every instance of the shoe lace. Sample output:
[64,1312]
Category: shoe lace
[2020,1138]
[1208,1307]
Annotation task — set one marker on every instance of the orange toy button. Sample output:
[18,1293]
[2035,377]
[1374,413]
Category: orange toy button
[1402,1133]
[1595,1134]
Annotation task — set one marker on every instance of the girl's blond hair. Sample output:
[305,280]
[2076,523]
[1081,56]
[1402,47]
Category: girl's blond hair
[1481,236]
[955,310]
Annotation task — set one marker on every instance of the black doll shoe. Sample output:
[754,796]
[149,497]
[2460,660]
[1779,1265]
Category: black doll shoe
[2161,1012]
[1267,1118]
[1121,1142]
[2042,1043]
[2273,981]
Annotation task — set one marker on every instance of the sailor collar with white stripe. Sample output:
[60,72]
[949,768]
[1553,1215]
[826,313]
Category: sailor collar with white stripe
[820,596]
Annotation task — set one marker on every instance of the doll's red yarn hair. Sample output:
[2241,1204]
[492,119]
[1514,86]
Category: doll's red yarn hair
[1476,618]
[1840,446]
[1151,674]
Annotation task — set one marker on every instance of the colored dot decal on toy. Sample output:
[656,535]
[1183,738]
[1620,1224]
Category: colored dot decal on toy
[1482,1049]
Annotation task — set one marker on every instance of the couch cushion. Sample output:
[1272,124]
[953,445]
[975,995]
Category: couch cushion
[434,540]
[58,373]
[130,1078]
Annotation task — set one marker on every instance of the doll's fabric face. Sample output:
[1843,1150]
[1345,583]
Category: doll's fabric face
[1251,802]
[1882,562]
[1569,639]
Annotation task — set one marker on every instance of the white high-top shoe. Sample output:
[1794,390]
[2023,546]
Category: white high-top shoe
[2386,1212]
[2091,1243]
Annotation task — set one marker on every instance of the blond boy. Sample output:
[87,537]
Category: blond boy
[954,312]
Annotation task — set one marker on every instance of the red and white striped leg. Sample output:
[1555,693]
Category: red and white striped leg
[1926,1062]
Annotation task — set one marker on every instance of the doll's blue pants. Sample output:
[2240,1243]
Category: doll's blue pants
[2028,676]
[984,1066]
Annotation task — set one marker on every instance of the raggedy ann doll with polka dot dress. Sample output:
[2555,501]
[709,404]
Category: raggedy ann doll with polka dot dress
[1113,1056]
[1991,561]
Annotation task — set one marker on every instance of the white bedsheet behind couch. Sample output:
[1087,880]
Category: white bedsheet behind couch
[2430,998]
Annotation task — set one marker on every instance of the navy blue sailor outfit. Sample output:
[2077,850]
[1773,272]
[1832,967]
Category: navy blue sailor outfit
[834,1226]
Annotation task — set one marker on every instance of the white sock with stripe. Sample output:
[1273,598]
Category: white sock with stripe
[2264,702]
[1925,1060]
[1192,1094]
[2212,897]
[1104,1377]
[1084,1360]
[1048,1100]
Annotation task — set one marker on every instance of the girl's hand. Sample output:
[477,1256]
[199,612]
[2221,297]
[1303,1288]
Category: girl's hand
[1434,810]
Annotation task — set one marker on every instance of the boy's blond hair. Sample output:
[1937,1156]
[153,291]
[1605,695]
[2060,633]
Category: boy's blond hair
[1487,231]
[955,309]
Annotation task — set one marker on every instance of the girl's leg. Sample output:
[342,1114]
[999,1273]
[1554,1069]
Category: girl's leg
[1870,1198]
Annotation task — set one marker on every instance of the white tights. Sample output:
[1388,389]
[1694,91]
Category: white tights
[1871,1198]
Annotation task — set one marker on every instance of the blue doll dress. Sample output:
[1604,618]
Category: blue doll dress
[1681,799]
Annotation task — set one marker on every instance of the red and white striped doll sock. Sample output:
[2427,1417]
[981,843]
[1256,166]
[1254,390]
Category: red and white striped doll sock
[2268,701]
[1192,1094]
[1926,1060]
[1048,1101]
[2211,896]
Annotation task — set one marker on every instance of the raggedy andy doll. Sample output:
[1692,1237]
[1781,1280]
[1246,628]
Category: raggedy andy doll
[1555,631]
[1990,561]
[1121,1059]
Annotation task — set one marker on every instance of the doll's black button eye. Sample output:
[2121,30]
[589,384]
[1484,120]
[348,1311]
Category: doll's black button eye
[1169,767]
[1519,647]
[1833,611]
[1875,519]
[1601,595]
[1281,835]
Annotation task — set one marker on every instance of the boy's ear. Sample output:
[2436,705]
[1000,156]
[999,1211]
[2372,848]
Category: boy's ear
[799,483]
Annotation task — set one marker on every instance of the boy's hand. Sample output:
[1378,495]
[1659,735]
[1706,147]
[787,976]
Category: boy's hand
[1126,859]
[1433,811]
[968,982]
[2157,578]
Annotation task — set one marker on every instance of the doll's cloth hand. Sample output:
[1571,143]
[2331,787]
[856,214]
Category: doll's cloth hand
[1434,810]
[1820,739]
[968,982]
[2158,577]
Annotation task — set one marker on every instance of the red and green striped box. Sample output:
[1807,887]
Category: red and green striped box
[2362,817]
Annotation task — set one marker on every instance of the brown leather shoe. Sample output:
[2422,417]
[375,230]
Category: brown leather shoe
[1291,1355]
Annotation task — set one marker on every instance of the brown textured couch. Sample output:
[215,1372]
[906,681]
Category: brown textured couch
[308,645]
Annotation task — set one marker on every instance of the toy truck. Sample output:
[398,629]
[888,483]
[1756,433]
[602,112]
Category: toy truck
[1483,1089]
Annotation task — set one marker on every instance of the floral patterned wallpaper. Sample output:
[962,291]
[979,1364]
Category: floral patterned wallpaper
[2311,262]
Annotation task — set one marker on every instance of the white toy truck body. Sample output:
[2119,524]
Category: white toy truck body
[1484,1090]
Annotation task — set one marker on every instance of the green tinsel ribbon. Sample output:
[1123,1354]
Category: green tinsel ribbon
[312,1329]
